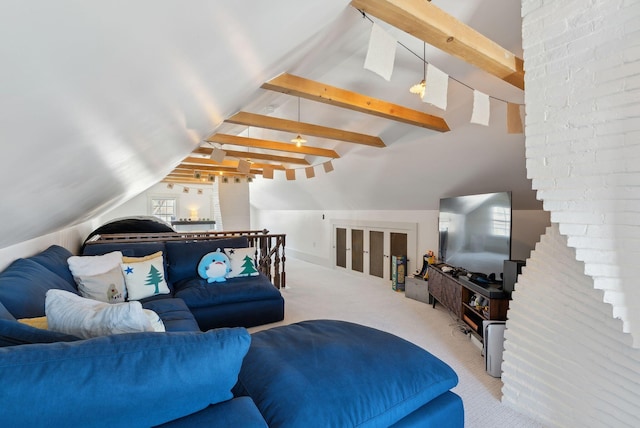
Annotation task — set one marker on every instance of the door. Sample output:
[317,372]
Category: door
[341,247]
[376,253]
[368,250]
[357,250]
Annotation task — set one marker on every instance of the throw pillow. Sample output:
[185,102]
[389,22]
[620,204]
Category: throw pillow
[38,322]
[243,262]
[155,320]
[107,287]
[128,259]
[94,265]
[71,314]
[144,276]
[214,267]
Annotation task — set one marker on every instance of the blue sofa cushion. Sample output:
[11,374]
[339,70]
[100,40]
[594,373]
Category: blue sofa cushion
[183,256]
[445,410]
[5,314]
[374,378]
[55,258]
[198,293]
[174,313]
[125,380]
[13,333]
[24,285]
[240,412]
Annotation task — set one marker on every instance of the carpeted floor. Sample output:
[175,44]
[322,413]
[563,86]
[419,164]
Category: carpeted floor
[317,292]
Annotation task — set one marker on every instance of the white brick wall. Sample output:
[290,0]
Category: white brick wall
[582,62]
[572,354]
[567,362]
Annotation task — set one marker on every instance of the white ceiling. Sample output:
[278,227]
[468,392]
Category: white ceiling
[101,100]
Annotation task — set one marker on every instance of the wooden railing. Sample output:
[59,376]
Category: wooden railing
[270,247]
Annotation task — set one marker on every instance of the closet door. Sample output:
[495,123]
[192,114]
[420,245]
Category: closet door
[341,247]
[376,253]
[357,250]
[397,245]
[367,249]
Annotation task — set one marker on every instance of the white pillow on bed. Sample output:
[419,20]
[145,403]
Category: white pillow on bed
[71,314]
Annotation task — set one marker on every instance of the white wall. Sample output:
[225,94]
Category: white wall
[234,201]
[309,236]
[569,360]
[71,239]
[139,205]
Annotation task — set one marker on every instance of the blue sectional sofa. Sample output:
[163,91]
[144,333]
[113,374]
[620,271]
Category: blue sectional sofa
[316,373]
[238,302]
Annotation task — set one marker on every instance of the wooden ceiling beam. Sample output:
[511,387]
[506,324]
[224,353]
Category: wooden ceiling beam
[191,169]
[316,91]
[228,163]
[251,155]
[190,181]
[278,124]
[271,145]
[431,24]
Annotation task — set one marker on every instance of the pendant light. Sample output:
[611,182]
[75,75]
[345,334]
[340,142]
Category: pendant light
[419,88]
[298,140]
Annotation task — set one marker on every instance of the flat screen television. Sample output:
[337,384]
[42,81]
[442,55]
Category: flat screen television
[475,232]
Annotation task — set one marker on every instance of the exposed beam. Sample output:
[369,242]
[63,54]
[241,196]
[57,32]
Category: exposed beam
[271,145]
[190,169]
[316,91]
[278,124]
[228,163]
[427,22]
[251,155]
[190,181]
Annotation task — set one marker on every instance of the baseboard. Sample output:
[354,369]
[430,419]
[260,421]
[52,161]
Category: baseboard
[300,255]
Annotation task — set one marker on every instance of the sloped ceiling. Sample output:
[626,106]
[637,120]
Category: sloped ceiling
[100,101]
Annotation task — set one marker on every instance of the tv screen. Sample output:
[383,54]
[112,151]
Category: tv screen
[475,232]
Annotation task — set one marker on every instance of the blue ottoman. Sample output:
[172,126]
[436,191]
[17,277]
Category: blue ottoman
[327,373]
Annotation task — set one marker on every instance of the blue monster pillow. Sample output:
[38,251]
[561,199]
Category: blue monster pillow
[214,267]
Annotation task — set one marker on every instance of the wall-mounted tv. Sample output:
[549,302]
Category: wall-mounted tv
[475,232]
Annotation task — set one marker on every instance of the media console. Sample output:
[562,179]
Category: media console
[456,295]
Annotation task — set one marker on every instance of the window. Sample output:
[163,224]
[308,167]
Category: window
[165,208]
[501,219]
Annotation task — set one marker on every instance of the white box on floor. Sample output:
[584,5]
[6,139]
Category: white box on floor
[416,288]
[493,334]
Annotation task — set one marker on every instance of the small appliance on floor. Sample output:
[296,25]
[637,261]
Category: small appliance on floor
[493,333]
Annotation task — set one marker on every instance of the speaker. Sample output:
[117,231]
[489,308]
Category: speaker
[510,272]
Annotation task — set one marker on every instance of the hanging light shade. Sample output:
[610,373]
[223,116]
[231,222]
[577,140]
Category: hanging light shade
[298,140]
[419,88]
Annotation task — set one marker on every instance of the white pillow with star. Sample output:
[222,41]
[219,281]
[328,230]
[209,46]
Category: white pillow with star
[144,276]
[242,261]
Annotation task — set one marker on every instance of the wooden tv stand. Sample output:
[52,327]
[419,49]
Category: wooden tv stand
[455,295]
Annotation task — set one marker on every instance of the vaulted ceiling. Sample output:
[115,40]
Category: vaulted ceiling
[102,100]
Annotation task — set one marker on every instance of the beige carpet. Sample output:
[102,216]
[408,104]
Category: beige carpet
[316,292]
